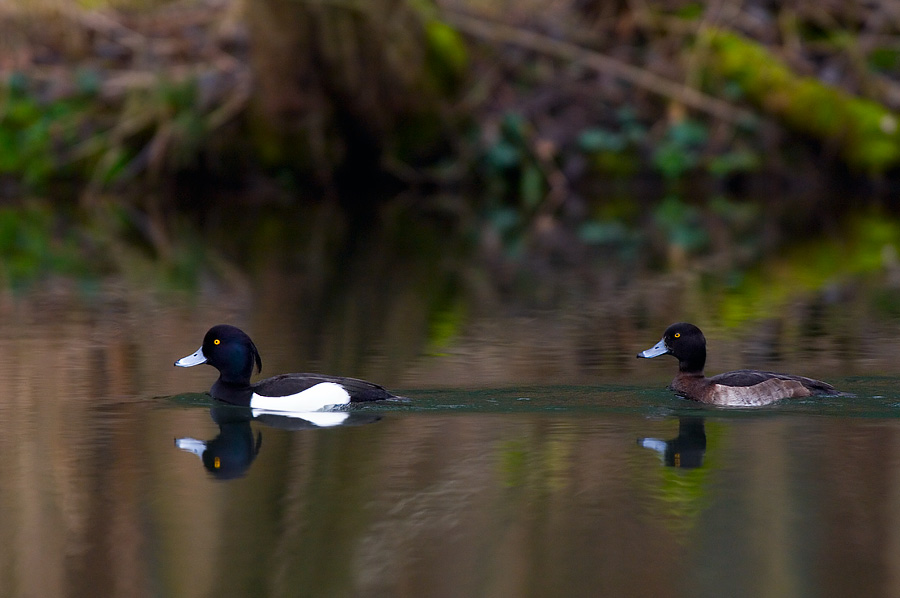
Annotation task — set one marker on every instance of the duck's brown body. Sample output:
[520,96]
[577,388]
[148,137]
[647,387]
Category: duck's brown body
[740,388]
[725,389]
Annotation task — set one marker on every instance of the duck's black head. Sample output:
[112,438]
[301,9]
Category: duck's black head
[686,342]
[229,350]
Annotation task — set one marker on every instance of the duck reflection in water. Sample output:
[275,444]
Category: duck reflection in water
[685,450]
[230,454]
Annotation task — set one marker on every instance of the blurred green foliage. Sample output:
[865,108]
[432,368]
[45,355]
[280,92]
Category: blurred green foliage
[682,224]
[511,168]
[867,133]
[734,161]
[865,248]
[683,493]
[682,150]
[446,323]
[35,242]
[679,151]
[41,240]
[884,59]
[615,150]
[535,467]
[447,56]
[33,133]
[42,141]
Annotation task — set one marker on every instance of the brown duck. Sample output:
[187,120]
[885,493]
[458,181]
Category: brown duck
[740,388]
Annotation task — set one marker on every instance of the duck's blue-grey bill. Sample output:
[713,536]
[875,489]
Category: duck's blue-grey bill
[191,445]
[656,444]
[192,359]
[654,351]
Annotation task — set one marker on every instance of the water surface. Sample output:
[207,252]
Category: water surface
[535,457]
[529,490]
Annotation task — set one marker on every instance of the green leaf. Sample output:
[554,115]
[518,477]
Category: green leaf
[531,186]
[734,161]
[599,140]
[513,128]
[602,233]
[673,161]
[688,133]
[503,156]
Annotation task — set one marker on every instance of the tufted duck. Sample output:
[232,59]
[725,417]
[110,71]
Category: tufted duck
[230,350]
[741,388]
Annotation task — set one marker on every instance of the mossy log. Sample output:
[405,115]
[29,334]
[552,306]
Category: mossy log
[866,133]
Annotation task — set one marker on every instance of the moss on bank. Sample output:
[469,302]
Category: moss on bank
[865,133]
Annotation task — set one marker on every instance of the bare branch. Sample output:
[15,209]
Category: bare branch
[498,32]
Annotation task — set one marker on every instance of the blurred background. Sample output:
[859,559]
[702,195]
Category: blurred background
[413,190]
[395,180]
[445,195]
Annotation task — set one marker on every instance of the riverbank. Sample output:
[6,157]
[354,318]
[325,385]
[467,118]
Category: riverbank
[635,134]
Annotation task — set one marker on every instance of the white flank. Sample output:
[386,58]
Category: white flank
[317,398]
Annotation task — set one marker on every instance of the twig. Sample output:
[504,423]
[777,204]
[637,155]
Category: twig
[690,97]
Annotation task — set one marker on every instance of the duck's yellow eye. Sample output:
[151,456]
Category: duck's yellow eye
[677,334]
[216,342]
